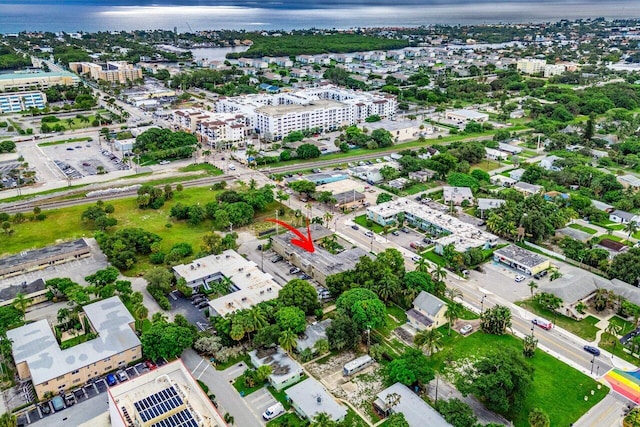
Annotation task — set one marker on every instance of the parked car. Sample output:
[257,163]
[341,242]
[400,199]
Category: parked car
[404,229]
[593,350]
[69,399]
[122,376]
[416,258]
[466,329]
[149,364]
[194,296]
[541,274]
[111,380]
[355,227]
[519,278]
[203,304]
[273,411]
[45,408]
[368,233]
[198,300]
[276,258]
[294,270]
[305,276]
[58,403]
[395,232]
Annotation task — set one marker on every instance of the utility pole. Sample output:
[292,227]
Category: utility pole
[277,228]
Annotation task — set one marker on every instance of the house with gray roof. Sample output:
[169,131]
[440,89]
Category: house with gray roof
[528,189]
[623,217]
[516,174]
[427,312]
[485,205]
[284,370]
[309,398]
[548,163]
[313,334]
[521,259]
[399,399]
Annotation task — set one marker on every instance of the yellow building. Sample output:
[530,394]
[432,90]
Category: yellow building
[39,358]
[428,312]
[39,80]
[112,72]
[521,259]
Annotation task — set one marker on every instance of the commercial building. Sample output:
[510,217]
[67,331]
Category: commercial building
[349,200]
[466,116]
[309,398]
[284,370]
[168,396]
[274,116]
[521,259]
[428,312]
[531,66]
[37,80]
[39,358]
[217,130]
[112,71]
[399,399]
[450,229]
[15,102]
[321,263]
[39,259]
[457,195]
[248,284]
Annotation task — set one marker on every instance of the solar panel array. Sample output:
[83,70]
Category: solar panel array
[180,419]
[158,403]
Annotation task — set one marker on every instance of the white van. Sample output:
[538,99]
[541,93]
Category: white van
[273,411]
[232,167]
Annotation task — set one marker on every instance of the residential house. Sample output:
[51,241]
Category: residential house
[457,195]
[493,154]
[548,163]
[511,149]
[622,217]
[528,189]
[423,175]
[309,398]
[487,204]
[428,312]
[503,181]
[313,334]
[516,174]
[629,181]
[399,399]
[284,370]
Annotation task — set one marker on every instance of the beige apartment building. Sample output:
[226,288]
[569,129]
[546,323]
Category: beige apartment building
[39,358]
[112,71]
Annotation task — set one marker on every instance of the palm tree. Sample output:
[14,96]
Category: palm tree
[631,227]
[452,314]
[322,420]
[439,273]
[453,293]
[21,302]
[140,312]
[328,216]
[387,287]
[159,317]
[287,340]
[613,330]
[429,339]
[8,420]
[422,265]
[63,315]
[532,287]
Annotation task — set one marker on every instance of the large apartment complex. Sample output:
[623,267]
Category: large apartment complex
[451,230]
[51,369]
[112,71]
[276,115]
[218,130]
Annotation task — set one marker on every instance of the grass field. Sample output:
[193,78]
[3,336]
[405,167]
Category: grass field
[583,228]
[362,221]
[625,325]
[419,187]
[487,165]
[240,386]
[206,167]
[557,388]
[585,328]
[63,224]
[64,141]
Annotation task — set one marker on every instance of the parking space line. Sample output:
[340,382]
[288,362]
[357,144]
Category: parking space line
[203,371]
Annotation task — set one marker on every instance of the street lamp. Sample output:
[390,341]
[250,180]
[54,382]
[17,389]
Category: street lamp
[592,362]
[482,304]
[532,331]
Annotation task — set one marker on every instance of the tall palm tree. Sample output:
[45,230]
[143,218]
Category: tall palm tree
[613,330]
[63,315]
[453,293]
[632,227]
[429,339]
[439,273]
[159,317]
[140,312]
[21,302]
[532,287]
[328,216]
[322,420]
[452,314]
[422,265]
[387,286]
[287,340]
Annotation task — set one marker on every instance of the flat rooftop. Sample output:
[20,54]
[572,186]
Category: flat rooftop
[463,235]
[311,397]
[251,285]
[281,110]
[167,396]
[321,259]
[520,256]
[11,76]
[283,367]
[416,411]
[36,344]
[36,254]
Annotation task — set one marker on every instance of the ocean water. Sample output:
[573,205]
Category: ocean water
[88,15]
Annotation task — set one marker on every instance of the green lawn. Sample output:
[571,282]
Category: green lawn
[617,239]
[583,228]
[208,168]
[434,257]
[419,187]
[289,419]
[64,141]
[625,325]
[487,165]
[362,221]
[584,328]
[240,386]
[610,225]
[606,343]
[557,388]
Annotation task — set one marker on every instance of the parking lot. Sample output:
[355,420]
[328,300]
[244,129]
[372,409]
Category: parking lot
[499,279]
[41,413]
[78,159]
[182,305]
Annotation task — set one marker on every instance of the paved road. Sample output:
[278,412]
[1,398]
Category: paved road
[227,397]
[607,413]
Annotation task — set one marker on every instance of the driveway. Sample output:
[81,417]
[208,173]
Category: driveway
[259,401]
[181,305]
[227,397]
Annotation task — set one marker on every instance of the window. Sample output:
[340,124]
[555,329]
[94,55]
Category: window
[76,380]
[74,372]
[121,362]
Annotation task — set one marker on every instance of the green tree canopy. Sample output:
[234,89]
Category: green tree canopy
[291,319]
[299,293]
[167,340]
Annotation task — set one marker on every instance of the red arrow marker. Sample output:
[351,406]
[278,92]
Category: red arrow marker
[305,242]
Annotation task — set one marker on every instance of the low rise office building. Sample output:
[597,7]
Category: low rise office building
[248,284]
[217,130]
[14,102]
[37,81]
[40,359]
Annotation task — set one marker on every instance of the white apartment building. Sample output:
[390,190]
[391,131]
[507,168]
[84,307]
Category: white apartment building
[328,107]
[540,66]
[218,130]
[113,71]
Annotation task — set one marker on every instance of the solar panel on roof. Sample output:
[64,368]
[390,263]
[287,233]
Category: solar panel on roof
[158,404]
[183,418]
